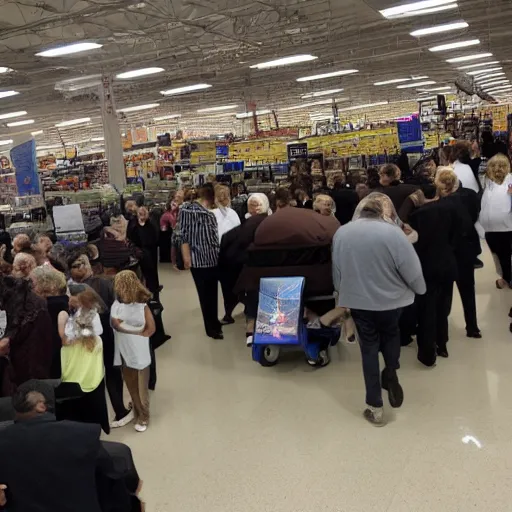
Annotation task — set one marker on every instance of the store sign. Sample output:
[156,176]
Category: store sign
[297,151]
[23,157]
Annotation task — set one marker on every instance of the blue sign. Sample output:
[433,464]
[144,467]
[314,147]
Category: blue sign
[23,158]
[222,151]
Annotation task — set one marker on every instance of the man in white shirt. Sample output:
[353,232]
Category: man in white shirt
[463,171]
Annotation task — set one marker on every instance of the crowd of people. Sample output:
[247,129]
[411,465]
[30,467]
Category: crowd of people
[78,324]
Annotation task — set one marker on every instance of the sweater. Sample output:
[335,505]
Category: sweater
[375,267]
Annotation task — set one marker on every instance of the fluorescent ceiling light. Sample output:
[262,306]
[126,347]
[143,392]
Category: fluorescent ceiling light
[440,28]
[97,139]
[187,88]
[469,57]
[434,89]
[21,123]
[305,105]
[5,142]
[3,69]
[139,107]
[422,12]
[417,84]
[481,71]
[368,105]
[217,109]
[454,46]
[479,65]
[73,122]
[139,72]
[485,77]
[13,114]
[321,93]
[170,116]
[7,94]
[294,59]
[426,98]
[494,81]
[68,49]
[38,132]
[500,88]
[327,75]
[394,81]
[245,115]
[491,85]
[400,10]
[51,146]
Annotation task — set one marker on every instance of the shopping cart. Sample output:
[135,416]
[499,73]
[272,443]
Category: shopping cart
[280,323]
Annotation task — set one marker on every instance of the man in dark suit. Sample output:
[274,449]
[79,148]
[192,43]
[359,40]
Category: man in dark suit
[57,466]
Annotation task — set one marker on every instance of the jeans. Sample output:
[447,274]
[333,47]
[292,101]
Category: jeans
[378,332]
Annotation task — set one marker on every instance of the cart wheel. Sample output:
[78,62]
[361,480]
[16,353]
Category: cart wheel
[323,359]
[269,356]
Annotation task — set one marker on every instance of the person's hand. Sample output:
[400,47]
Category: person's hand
[5,345]
[3,499]
[187,264]
[3,249]
[510,189]
[407,229]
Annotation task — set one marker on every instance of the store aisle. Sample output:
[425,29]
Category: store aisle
[228,435]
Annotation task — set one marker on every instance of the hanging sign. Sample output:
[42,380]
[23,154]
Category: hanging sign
[299,150]
[23,157]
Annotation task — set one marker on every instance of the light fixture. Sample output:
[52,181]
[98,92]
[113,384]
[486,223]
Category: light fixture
[493,83]
[5,142]
[21,123]
[423,7]
[305,105]
[393,81]
[490,75]
[454,46]
[68,49]
[10,115]
[417,84]
[139,107]
[51,146]
[481,71]
[7,94]
[434,89]
[321,93]
[170,116]
[38,132]
[499,88]
[368,105]
[73,122]
[327,75]
[217,109]
[479,65]
[245,115]
[187,88]
[3,69]
[440,28]
[285,61]
[465,58]
[139,72]
[97,139]
[426,98]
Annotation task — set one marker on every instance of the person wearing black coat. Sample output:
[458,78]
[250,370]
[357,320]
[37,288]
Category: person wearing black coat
[346,201]
[391,185]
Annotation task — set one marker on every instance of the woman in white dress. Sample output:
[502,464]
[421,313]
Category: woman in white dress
[133,325]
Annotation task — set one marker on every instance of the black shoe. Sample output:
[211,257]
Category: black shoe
[227,320]
[405,341]
[390,383]
[478,263]
[216,335]
[442,352]
[474,334]
[160,288]
[510,313]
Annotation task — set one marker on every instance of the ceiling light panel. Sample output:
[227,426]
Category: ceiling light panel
[321,93]
[3,69]
[481,71]
[5,142]
[455,46]
[72,122]
[69,49]
[417,84]
[170,116]
[358,107]
[285,61]
[217,109]
[467,58]
[136,108]
[415,7]
[490,75]
[38,132]
[306,105]
[10,115]
[327,75]
[479,65]
[434,89]
[21,123]
[459,25]
[488,83]
[245,115]
[393,81]
[184,90]
[136,73]
[8,94]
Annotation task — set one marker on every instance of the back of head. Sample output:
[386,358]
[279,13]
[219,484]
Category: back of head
[445,155]
[461,152]
[446,181]
[376,206]
[282,197]
[129,289]
[222,196]
[498,168]
[324,205]
[48,282]
[389,173]
[23,265]
[427,170]
[32,398]
[206,194]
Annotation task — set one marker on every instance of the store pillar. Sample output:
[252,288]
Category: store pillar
[112,134]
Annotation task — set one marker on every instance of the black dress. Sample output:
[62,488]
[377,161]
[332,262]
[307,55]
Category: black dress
[146,239]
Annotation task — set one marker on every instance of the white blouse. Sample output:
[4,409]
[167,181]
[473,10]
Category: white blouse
[496,213]
[227,219]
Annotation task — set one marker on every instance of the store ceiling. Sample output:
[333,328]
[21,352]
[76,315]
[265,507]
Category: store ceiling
[215,42]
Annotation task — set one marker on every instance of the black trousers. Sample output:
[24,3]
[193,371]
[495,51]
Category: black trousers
[433,310]
[408,324]
[207,283]
[378,332]
[466,286]
[500,244]
[165,246]
[228,278]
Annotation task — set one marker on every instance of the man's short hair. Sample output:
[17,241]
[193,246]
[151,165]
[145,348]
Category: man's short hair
[207,193]
[30,393]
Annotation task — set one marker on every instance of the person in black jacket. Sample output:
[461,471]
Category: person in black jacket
[56,466]
[391,185]
[346,201]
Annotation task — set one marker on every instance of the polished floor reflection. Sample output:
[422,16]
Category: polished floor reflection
[229,435]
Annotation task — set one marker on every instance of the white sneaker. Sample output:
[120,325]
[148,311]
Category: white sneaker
[141,427]
[249,341]
[375,415]
[123,421]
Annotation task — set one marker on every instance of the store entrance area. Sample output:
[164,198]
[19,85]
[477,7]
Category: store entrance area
[230,435]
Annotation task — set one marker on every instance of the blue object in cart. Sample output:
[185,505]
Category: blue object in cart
[280,322]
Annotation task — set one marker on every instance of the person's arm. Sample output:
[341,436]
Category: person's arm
[96,324]
[408,264]
[184,222]
[62,321]
[149,328]
[336,270]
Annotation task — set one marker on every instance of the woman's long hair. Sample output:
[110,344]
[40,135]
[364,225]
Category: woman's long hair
[446,181]
[129,289]
[498,168]
[13,298]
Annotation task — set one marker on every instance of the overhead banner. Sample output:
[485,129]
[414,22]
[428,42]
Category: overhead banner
[24,161]
[299,150]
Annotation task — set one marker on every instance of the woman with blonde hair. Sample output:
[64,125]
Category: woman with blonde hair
[227,218]
[496,216]
[133,325]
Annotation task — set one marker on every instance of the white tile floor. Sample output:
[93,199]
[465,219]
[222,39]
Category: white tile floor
[229,435]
